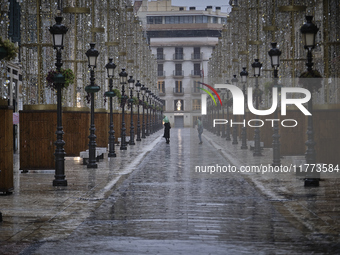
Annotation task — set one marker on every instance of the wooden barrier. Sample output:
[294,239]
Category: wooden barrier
[101,122]
[76,126]
[327,138]
[6,149]
[37,137]
[38,126]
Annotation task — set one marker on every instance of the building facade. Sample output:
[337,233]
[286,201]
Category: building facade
[182,41]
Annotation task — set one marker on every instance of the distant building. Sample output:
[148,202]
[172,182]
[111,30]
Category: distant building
[183,41]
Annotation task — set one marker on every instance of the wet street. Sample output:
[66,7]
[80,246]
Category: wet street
[165,207]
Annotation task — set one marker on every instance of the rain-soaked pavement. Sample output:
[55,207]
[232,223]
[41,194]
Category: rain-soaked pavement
[164,207]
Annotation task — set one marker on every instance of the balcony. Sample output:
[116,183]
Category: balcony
[178,92]
[197,56]
[160,57]
[195,73]
[160,74]
[178,56]
[161,93]
[178,73]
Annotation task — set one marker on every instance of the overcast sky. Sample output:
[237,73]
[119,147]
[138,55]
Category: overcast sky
[202,4]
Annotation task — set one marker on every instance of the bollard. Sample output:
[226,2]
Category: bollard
[0,217]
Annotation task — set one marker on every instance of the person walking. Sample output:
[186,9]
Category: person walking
[167,127]
[199,129]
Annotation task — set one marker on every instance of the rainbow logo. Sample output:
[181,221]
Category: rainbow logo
[210,93]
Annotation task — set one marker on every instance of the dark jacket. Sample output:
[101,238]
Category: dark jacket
[167,130]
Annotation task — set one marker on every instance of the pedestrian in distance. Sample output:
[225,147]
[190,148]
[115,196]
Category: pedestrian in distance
[167,127]
[199,129]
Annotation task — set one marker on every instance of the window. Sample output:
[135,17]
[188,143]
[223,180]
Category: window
[201,19]
[197,69]
[214,20]
[178,53]
[160,71]
[170,19]
[178,70]
[196,86]
[196,104]
[178,19]
[179,105]
[160,54]
[178,87]
[158,20]
[185,19]
[161,86]
[149,20]
[197,53]
[154,20]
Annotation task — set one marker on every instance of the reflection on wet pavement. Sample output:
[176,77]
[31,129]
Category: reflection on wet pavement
[164,207]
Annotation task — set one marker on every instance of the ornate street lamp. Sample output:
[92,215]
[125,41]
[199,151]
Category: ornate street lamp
[159,113]
[143,91]
[58,31]
[123,77]
[257,139]
[309,31]
[244,75]
[234,81]
[92,55]
[151,97]
[218,116]
[132,128]
[147,94]
[275,54]
[110,67]
[228,125]
[138,86]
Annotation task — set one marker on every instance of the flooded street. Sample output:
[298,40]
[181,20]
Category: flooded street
[164,207]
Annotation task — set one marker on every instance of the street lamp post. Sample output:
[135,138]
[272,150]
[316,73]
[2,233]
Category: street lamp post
[123,77]
[138,86]
[218,130]
[234,81]
[154,113]
[58,31]
[309,31]
[147,93]
[244,75]
[151,113]
[92,55]
[110,69]
[228,126]
[143,91]
[257,139]
[275,54]
[223,128]
[132,128]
